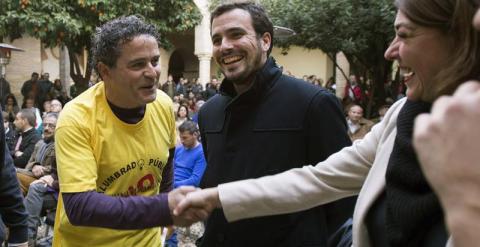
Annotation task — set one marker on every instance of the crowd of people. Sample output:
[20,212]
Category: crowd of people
[281,162]
[31,153]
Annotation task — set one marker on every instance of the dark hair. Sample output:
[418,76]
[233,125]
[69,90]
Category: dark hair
[386,106]
[28,114]
[260,20]
[189,126]
[353,105]
[15,103]
[186,109]
[109,38]
[454,18]
[34,74]
[24,103]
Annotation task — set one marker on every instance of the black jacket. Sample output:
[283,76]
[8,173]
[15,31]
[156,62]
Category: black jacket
[29,139]
[278,124]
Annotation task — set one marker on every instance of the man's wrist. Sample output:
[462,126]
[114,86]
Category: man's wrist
[167,219]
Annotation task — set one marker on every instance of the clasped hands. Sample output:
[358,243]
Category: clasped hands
[189,204]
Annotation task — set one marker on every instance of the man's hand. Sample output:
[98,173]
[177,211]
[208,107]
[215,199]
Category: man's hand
[38,181]
[206,200]
[47,180]
[447,143]
[38,170]
[189,216]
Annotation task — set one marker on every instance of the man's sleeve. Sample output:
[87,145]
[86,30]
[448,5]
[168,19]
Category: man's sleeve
[131,212]
[33,156]
[12,210]
[327,127]
[76,165]
[22,160]
[203,137]
[167,174]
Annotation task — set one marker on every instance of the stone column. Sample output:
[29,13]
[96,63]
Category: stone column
[204,70]
[203,43]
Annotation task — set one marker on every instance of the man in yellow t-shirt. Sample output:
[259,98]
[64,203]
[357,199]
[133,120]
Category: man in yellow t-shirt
[114,147]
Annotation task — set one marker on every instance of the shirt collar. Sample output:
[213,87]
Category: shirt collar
[263,79]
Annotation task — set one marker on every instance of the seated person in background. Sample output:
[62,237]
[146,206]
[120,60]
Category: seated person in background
[189,161]
[182,115]
[189,166]
[11,107]
[41,161]
[382,110]
[30,103]
[24,123]
[198,105]
[10,132]
[358,126]
[55,105]
[42,195]
[46,107]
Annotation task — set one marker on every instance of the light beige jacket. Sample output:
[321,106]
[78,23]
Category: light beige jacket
[358,169]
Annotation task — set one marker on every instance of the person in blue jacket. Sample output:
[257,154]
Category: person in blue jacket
[189,161]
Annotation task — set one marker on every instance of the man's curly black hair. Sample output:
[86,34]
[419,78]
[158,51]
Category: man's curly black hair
[109,38]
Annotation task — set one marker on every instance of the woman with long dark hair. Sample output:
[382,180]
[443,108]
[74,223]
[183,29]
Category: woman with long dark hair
[11,107]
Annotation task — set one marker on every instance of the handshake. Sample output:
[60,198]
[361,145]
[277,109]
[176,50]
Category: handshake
[189,204]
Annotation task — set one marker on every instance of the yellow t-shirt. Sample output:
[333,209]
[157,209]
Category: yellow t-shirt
[97,151]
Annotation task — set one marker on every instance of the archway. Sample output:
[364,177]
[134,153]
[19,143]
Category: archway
[176,65]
